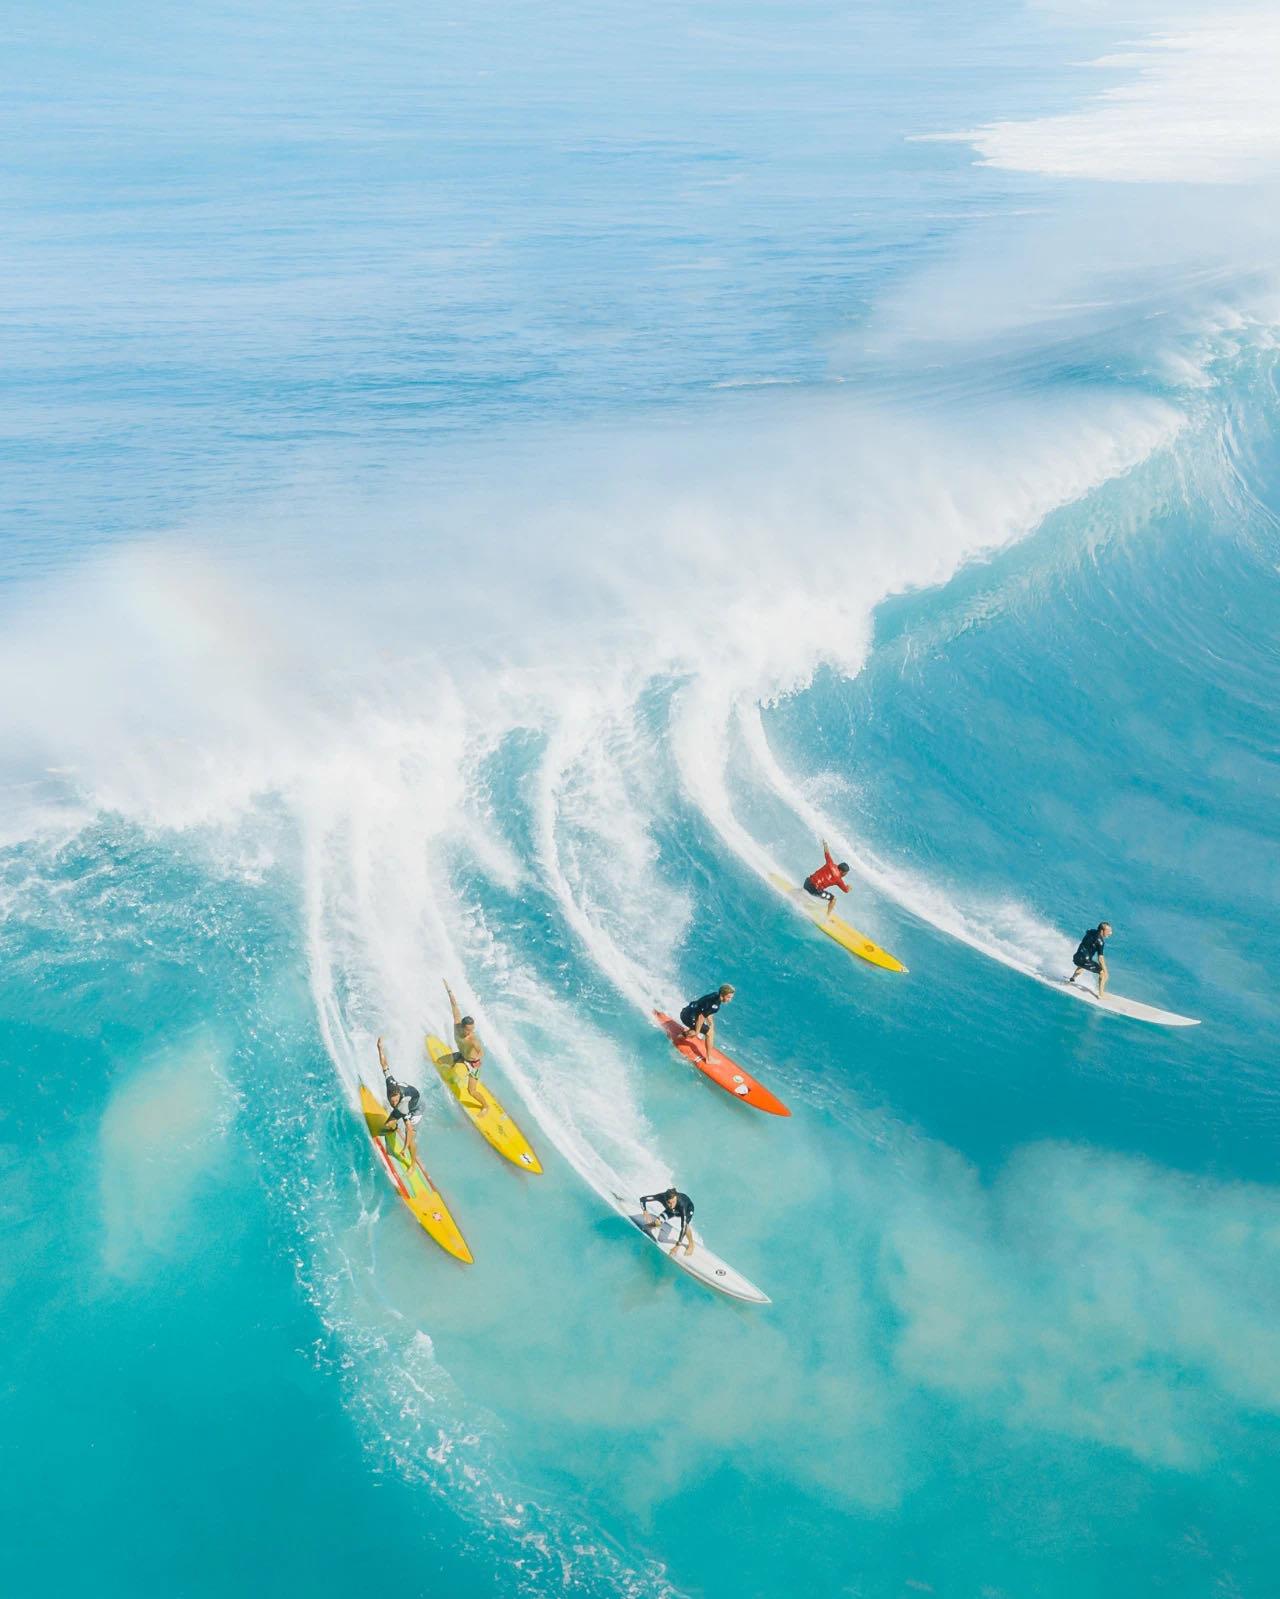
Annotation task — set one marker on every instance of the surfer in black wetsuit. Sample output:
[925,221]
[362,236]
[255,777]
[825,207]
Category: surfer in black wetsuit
[675,1205]
[404,1100]
[1089,956]
[698,1016]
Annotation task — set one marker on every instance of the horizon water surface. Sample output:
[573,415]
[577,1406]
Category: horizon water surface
[486,488]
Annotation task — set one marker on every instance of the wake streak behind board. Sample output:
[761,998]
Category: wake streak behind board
[410,1180]
[1117,1004]
[722,1071]
[835,927]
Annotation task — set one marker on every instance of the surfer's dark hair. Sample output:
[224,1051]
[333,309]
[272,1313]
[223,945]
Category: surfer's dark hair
[467,1021]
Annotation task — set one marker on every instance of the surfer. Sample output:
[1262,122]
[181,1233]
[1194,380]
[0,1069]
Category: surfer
[404,1100]
[699,1015]
[1090,958]
[469,1051]
[831,874]
[675,1206]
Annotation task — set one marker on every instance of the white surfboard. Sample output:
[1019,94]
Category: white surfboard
[1117,1004]
[702,1264]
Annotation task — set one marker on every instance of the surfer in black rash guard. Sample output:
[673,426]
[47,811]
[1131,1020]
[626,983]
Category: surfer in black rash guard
[1089,956]
[698,1017]
[674,1204]
[404,1101]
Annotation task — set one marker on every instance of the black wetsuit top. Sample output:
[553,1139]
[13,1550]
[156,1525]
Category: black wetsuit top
[708,1005]
[681,1206]
[409,1097]
[1090,951]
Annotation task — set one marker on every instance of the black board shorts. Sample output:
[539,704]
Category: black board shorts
[818,893]
[1086,963]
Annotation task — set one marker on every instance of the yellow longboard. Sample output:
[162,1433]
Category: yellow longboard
[486,1114]
[411,1182]
[835,927]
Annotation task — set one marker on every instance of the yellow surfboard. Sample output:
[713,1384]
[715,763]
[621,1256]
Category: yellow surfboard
[487,1115]
[835,927]
[411,1182]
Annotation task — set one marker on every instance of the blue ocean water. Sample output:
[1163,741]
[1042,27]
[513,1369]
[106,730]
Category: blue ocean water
[483,489]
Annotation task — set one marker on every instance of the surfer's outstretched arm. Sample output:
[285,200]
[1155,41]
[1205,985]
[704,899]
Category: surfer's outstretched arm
[453,1004]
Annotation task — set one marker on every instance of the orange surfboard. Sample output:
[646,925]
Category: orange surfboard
[722,1071]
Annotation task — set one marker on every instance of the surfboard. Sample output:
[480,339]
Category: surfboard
[483,1111]
[410,1180]
[722,1071]
[1117,1004]
[705,1267]
[835,927]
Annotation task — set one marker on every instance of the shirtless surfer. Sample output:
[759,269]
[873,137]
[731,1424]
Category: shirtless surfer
[468,1051]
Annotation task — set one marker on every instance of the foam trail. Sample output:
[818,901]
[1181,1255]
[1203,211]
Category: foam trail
[701,717]
[337,1040]
[378,922]
[628,976]
[578,1109]
[1007,933]
[700,728]
[599,1094]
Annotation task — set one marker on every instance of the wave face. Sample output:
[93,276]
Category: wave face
[489,490]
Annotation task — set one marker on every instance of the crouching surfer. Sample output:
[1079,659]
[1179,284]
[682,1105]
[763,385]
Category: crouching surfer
[831,874]
[675,1206]
[405,1113]
[698,1018]
[1090,958]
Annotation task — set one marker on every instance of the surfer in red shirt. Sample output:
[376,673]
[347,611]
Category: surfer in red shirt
[828,876]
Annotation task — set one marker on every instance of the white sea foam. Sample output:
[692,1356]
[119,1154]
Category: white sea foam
[1006,931]
[686,563]
[615,837]
[1067,1295]
[1195,105]
[178,689]
[172,690]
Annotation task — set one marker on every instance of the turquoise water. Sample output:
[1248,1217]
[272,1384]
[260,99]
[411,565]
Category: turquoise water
[484,489]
